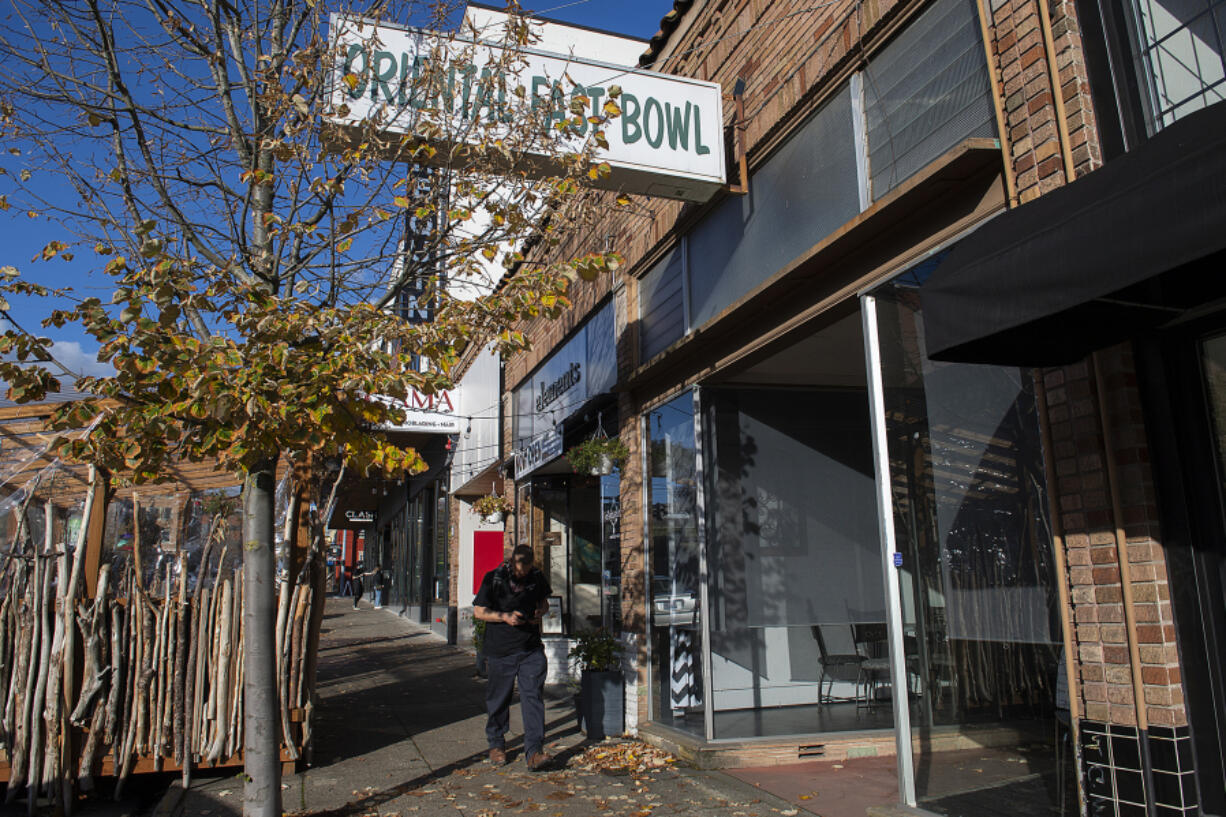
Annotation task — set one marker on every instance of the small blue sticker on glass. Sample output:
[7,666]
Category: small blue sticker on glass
[897,560]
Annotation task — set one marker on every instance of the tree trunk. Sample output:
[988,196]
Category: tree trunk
[262,762]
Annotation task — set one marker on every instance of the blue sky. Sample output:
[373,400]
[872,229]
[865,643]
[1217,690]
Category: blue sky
[25,237]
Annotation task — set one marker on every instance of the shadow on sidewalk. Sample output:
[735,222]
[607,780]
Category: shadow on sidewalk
[371,802]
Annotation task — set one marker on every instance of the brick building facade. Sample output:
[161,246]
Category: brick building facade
[1051,115]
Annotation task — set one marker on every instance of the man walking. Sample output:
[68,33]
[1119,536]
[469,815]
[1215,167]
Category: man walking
[511,600]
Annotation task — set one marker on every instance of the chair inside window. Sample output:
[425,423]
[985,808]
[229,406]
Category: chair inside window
[838,658]
[872,642]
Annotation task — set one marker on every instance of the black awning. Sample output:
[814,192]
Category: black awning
[1126,248]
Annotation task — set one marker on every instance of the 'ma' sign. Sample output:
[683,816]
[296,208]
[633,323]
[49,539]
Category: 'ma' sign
[667,141]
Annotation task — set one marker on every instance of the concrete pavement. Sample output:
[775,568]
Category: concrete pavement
[400,731]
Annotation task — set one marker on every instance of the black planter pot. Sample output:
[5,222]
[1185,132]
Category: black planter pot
[601,704]
[481,667]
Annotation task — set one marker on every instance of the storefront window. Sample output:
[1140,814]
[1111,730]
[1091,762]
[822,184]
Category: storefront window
[570,541]
[585,555]
[796,599]
[1180,56]
[979,602]
[610,534]
[442,561]
[676,633]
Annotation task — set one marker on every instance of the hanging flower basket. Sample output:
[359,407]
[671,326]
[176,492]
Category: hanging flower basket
[490,506]
[598,456]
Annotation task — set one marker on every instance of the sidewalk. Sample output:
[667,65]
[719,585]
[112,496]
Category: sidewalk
[400,730]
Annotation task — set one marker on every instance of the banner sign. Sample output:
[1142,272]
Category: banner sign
[539,450]
[668,140]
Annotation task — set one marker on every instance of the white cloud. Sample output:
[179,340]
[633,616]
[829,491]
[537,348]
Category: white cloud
[78,360]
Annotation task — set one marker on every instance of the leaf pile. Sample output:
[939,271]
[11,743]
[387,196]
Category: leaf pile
[626,757]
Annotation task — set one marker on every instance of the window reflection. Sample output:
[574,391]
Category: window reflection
[797,603]
[978,587]
[676,635]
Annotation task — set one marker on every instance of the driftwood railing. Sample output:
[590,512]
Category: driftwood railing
[119,656]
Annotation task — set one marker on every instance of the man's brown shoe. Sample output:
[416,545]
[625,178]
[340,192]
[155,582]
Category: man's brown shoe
[498,757]
[539,761]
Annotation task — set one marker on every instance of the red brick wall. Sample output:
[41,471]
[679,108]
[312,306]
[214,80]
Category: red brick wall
[1082,498]
[1022,62]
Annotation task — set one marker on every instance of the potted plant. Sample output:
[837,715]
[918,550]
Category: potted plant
[601,688]
[492,507]
[479,645]
[598,456]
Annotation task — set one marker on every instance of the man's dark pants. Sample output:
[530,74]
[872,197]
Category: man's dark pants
[530,668]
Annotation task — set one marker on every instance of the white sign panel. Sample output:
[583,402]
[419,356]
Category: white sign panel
[429,413]
[668,140]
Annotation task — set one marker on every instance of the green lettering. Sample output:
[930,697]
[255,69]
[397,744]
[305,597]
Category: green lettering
[557,112]
[652,102]
[503,114]
[699,147]
[379,77]
[538,99]
[420,95]
[469,71]
[596,94]
[360,88]
[407,67]
[485,94]
[631,132]
[678,125]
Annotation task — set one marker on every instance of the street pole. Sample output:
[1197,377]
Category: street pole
[261,713]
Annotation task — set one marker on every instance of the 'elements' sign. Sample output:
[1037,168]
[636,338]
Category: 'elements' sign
[567,381]
[666,142]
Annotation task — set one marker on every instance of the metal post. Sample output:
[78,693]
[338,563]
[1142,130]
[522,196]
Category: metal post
[261,735]
[885,521]
[704,602]
[645,494]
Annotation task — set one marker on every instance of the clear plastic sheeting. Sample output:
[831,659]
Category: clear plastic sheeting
[282,499]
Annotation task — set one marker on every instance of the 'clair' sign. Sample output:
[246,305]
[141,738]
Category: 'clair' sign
[666,142]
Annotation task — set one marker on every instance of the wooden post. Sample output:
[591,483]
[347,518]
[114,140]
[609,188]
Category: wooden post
[301,542]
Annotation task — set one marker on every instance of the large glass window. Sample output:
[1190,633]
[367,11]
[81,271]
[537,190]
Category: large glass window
[925,92]
[1179,56]
[568,530]
[442,553]
[918,97]
[676,632]
[807,190]
[980,607]
[611,544]
[585,555]
[662,310]
[796,599]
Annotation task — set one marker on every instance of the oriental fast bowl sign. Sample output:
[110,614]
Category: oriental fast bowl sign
[668,140]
